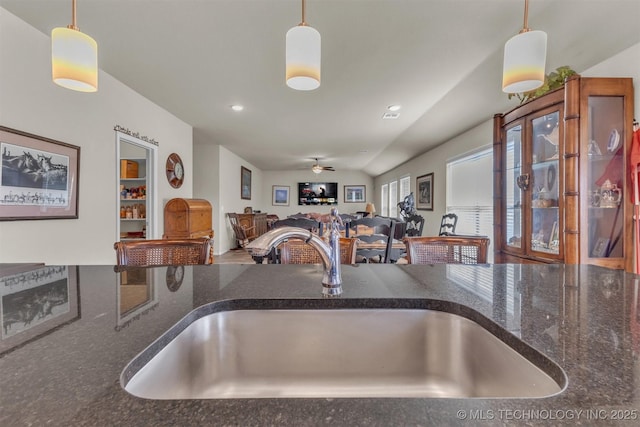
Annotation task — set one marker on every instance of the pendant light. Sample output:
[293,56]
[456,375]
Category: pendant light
[74,57]
[303,56]
[525,55]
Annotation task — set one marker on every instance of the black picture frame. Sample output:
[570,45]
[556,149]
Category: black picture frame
[424,190]
[39,178]
[245,183]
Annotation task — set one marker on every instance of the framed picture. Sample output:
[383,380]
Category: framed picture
[355,193]
[280,196]
[245,183]
[600,248]
[36,302]
[39,178]
[424,188]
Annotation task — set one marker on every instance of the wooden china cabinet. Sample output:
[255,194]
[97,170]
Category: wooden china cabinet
[562,188]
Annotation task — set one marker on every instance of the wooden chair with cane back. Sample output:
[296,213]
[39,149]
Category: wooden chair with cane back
[144,253]
[299,252]
[447,249]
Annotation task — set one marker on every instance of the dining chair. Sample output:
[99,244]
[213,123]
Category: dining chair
[300,222]
[299,252]
[306,223]
[144,253]
[243,234]
[375,238]
[448,224]
[415,224]
[447,249]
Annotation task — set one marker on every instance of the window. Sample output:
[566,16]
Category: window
[393,199]
[405,187]
[384,197]
[470,193]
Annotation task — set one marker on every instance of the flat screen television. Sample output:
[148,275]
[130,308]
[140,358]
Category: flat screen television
[317,193]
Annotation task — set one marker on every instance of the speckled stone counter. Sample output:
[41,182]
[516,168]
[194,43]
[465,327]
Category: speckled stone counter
[68,333]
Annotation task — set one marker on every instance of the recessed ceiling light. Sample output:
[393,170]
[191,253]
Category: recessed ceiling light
[237,107]
[394,107]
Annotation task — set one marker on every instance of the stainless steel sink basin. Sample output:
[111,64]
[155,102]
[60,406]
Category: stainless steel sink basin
[370,352]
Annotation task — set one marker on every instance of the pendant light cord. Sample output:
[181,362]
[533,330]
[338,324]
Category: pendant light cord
[525,26]
[303,7]
[73,16]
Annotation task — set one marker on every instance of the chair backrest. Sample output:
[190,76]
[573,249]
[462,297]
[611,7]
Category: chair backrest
[400,229]
[348,217]
[306,223]
[447,249]
[376,232]
[415,224]
[242,236]
[299,252]
[144,253]
[271,218]
[448,224]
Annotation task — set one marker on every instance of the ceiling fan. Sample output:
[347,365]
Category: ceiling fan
[317,168]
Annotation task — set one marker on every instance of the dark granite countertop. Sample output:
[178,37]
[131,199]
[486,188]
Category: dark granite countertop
[68,332]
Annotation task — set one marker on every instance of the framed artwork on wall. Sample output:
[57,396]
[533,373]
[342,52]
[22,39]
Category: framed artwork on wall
[39,178]
[424,188]
[355,194]
[245,183]
[280,196]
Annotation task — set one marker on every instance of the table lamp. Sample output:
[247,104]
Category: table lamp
[371,209]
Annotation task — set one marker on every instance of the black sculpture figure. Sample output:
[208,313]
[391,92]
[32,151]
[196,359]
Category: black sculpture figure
[407,207]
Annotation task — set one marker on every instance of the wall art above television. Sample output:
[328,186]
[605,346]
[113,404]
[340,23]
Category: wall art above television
[317,193]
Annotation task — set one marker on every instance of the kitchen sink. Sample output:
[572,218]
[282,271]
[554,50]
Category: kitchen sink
[302,352]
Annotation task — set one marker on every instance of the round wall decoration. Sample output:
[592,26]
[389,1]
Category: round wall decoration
[175,170]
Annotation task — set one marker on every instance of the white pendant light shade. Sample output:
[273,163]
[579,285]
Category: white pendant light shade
[524,62]
[74,60]
[303,53]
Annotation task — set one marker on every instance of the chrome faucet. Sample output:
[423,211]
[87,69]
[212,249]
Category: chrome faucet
[329,252]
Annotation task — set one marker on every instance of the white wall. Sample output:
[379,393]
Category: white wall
[624,64]
[230,200]
[206,183]
[292,178]
[435,161]
[32,103]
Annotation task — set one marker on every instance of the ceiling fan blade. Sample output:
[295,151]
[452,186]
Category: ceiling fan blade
[328,168]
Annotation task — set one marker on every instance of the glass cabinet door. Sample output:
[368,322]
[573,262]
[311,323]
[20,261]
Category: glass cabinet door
[544,194]
[513,192]
[605,177]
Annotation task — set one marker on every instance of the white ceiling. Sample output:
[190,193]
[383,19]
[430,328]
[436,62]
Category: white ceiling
[440,59]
